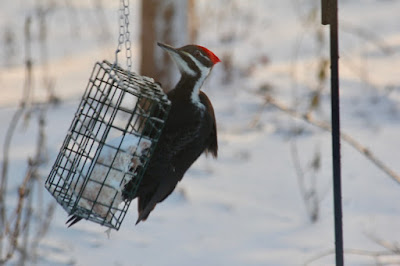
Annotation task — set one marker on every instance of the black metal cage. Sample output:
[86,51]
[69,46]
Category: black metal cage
[109,143]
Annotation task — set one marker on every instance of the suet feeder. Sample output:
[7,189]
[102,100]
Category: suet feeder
[117,107]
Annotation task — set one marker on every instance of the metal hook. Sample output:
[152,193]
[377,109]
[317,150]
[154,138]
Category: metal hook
[116,57]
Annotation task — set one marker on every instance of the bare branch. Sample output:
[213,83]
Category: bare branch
[368,35]
[393,247]
[360,252]
[325,126]
[15,225]
[10,132]
[309,195]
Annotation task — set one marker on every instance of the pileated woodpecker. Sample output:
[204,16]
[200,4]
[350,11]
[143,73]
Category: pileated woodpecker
[189,130]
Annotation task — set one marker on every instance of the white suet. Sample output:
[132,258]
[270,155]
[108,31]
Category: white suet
[103,191]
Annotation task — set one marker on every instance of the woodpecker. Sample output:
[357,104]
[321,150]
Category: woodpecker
[189,130]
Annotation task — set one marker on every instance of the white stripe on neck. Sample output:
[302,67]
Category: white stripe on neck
[182,65]
[204,72]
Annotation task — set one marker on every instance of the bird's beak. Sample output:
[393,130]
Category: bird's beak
[179,58]
[171,50]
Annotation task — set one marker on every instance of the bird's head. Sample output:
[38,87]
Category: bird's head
[192,60]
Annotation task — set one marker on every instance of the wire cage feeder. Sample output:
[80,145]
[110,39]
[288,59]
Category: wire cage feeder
[108,145]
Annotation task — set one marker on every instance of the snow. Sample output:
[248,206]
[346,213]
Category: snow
[245,208]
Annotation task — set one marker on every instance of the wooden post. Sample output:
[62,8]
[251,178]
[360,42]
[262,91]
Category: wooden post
[167,22]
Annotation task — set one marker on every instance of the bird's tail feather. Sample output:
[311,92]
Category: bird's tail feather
[73,219]
[145,205]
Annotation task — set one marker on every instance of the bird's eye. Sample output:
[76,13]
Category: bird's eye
[197,53]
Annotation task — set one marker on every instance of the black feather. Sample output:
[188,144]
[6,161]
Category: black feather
[73,219]
[188,132]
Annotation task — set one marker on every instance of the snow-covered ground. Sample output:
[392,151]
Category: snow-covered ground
[246,207]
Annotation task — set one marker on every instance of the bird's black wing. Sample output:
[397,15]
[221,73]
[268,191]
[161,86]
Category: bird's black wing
[178,148]
[212,145]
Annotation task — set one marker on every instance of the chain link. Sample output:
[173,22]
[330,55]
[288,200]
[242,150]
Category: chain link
[124,33]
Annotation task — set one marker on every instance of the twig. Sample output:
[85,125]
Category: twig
[367,35]
[345,137]
[10,132]
[360,252]
[310,196]
[23,191]
[43,228]
[393,247]
[16,228]
[3,182]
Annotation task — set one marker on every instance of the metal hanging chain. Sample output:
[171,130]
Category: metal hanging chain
[124,33]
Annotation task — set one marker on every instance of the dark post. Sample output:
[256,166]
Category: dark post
[330,17]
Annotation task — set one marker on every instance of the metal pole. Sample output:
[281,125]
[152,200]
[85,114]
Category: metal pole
[330,16]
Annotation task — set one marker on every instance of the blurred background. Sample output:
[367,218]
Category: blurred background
[267,200]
